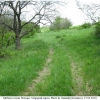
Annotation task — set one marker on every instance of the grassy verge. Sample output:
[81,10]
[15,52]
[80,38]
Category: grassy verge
[22,67]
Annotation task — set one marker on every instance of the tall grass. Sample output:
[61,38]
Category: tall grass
[85,50]
[18,71]
[59,82]
[22,67]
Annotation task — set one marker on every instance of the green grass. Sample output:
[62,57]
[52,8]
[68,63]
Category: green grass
[22,67]
[85,51]
[19,69]
[59,82]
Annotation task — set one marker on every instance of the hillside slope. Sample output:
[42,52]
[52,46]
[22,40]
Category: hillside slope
[72,67]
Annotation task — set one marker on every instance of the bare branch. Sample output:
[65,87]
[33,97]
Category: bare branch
[92,11]
[42,12]
[2,23]
[26,32]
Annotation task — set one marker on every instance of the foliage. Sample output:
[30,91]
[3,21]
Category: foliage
[8,40]
[83,26]
[97,29]
[6,36]
[45,29]
[32,27]
[86,25]
[60,23]
[2,53]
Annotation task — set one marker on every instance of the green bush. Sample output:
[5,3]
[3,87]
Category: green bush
[45,29]
[97,30]
[86,25]
[31,26]
[6,35]
[8,39]
[60,23]
[4,52]
[83,26]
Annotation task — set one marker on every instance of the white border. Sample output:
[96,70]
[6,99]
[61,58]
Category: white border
[50,97]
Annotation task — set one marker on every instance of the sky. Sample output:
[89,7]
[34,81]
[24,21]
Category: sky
[74,14]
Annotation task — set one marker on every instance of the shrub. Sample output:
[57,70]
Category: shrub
[6,40]
[60,23]
[6,35]
[2,53]
[45,29]
[97,30]
[31,26]
[86,25]
[83,26]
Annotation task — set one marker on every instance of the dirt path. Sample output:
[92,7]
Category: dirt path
[80,87]
[77,78]
[42,75]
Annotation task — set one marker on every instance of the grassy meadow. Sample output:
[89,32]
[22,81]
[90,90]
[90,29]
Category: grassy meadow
[72,48]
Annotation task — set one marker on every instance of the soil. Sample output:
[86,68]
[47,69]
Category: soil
[77,78]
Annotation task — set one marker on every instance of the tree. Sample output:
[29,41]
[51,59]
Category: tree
[65,23]
[60,23]
[97,30]
[42,11]
[92,11]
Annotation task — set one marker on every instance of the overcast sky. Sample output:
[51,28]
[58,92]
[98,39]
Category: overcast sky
[73,13]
